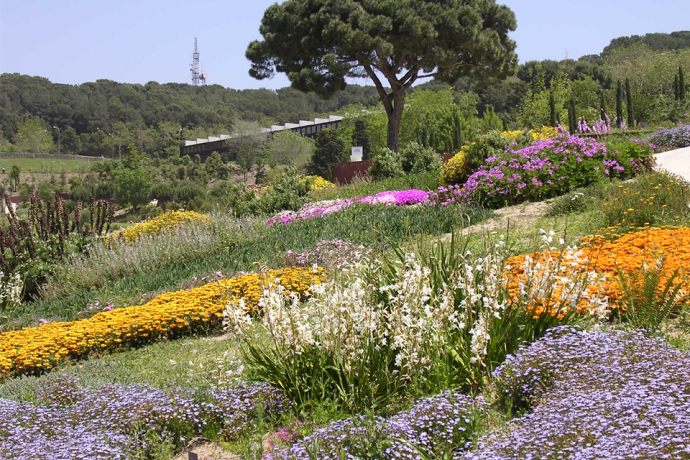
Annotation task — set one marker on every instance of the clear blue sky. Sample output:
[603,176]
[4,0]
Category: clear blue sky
[76,41]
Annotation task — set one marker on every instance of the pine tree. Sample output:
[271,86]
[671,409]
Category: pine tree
[572,116]
[619,104]
[360,138]
[629,100]
[552,110]
[681,84]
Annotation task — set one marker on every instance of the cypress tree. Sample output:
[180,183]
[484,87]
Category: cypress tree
[360,138]
[619,104]
[676,89]
[457,130]
[602,105]
[552,110]
[629,100]
[572,116]
[681,84]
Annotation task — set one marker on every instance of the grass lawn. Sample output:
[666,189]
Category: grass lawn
[40,166]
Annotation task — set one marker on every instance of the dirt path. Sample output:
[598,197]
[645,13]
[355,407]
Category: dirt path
[519,216]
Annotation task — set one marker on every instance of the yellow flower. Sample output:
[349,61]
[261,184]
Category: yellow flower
[156,226]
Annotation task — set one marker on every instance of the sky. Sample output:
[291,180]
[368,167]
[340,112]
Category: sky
[77,41]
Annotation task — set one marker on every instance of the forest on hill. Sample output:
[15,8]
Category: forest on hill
[101,118]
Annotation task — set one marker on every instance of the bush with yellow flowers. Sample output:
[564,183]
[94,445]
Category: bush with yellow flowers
[38,349]
[455,171]
[157,225]
[317,183]
[543,133]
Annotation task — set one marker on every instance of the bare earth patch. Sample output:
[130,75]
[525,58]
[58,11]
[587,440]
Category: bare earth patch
[206,450]
[512,217]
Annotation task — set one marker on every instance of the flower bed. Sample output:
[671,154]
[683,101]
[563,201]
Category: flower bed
[33,350]
[594,395]
[548,168]
[390,198]
[630,252]
[116,421]
[156,226]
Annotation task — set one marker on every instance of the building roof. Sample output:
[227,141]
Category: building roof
[272,129]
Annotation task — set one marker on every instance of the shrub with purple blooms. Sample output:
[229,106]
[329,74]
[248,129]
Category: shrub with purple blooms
[593,395]
[547,168]
[440,425]
[671,138]
[115,421]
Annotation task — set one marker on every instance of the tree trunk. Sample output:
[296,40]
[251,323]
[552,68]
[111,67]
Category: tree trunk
[394,118]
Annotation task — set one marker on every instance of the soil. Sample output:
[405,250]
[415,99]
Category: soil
[206,450]
[518,216]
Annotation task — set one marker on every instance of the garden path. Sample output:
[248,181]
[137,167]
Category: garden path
[675,161]
[513,217]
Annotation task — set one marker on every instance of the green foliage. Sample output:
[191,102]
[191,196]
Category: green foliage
[552,111]
[629,100]
[572,116]
[14,176]
[619,103]
[286,192]
[216,168]
[286,148]
[329,151]
[133,187]
[492,143]
[650,295]
[33,137]
[417,159]
[386,164]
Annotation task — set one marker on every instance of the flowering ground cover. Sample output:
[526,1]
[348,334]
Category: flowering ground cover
[671,138]
[436,426]
[319,208]
[34,350]
[593,395]
[155,226]
[629,253]
[69,421]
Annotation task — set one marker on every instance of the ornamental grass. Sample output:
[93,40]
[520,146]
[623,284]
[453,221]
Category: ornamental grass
[628,254]
[38,349]
[156,226]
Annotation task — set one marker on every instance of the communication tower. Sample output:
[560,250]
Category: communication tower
[195,65]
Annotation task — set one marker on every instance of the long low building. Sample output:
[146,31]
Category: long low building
[223,143]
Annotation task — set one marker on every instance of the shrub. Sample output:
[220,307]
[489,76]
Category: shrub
[455,170]
[546,169]
[418,159]
[386,164]
[286,192]
[317,183]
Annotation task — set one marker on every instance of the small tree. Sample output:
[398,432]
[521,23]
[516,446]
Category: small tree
[603,109]
[619,104]
[71,144]
[552,111]
[33,137]
[133,187]
[629,100]
[681,84]
[360,138]
[572,116]
[330,150]
[14,176]
[286,148]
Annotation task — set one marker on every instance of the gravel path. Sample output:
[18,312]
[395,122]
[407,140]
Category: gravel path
[675,161]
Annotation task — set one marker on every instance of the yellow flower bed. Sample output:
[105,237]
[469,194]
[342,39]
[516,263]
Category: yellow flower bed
[317,182]
[34,350]
[454,171]
[543,133]
[629,252]
[512,135]
[156,225]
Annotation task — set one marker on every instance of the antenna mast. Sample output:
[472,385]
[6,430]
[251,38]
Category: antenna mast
[195,64]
